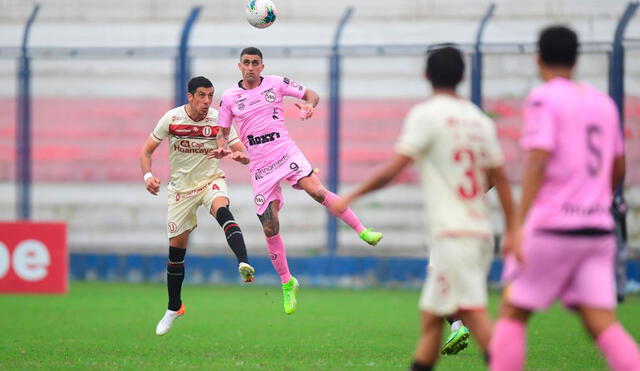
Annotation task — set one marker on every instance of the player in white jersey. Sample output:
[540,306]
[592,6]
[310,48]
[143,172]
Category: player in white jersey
[459,156]
[195,180]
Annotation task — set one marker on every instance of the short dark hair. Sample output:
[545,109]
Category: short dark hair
[251,51]
[445,66]
[558,46]
[198,82]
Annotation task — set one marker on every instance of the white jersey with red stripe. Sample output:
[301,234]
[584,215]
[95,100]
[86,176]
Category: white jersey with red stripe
[454,143]
[189,144]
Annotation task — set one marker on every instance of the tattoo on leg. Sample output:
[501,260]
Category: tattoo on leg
[269,222]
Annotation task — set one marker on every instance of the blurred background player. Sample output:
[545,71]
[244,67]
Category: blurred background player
[195,180]
[459,156]
[564,244]
[256,105]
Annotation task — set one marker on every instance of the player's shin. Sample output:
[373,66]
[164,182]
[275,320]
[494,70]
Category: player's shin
[619,348]
[233,233]
[275,245]
[175,276]
[507,349]
[347,216]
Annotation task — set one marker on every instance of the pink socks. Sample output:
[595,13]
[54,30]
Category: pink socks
[346,216]
[278,257]
[620,350]
[507,347]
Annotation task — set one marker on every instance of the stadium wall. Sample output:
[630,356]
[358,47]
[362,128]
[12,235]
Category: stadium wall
[320,271]
[91,115]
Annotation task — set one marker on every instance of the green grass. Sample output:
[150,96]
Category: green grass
[111,326]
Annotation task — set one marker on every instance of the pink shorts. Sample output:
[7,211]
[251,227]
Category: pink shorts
[576,269]
[292,166]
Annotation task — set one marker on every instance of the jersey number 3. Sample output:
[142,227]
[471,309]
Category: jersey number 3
[471,187]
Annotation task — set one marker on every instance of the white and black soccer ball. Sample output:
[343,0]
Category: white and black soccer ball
[261,13]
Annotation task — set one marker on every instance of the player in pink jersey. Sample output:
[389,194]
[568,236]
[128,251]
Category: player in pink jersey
[256,105]
[564,244]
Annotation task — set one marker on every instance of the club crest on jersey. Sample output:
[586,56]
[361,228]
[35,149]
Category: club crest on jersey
[269,95]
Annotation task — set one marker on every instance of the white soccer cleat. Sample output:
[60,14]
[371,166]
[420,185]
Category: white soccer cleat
[246,272]
[167,320]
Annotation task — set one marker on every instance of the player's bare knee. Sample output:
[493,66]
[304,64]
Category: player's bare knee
[270,230]
[271,227]
[318,196]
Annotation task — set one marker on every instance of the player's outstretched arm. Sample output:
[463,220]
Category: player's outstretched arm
[152,183]
[311,99]
[498,179]
[239,153]
[380,177]
[223,140]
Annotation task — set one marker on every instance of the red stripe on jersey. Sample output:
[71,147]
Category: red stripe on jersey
[464,234]
[193,131]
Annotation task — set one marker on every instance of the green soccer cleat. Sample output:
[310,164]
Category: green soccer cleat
[456,342]
[289,290]
[246,272]
[370,237]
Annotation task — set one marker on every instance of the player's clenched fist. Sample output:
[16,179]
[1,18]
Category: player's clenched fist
[153,185]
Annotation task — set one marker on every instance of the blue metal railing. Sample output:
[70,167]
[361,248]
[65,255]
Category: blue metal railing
[23,132]
[616,70]
[335,52]
[476,59]
[334,127]
[183,61]
[616,90]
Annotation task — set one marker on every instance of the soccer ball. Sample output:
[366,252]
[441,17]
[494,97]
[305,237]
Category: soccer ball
[261,13]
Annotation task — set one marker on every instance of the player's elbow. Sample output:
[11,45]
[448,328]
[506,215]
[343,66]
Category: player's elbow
[311,96]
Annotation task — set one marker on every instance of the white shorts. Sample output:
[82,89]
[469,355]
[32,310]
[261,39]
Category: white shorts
[457,276]
[182,207]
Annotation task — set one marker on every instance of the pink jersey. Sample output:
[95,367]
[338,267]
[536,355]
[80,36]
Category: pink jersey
[579,126]
[259,117]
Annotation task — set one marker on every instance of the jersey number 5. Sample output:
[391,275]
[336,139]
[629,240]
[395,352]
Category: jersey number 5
[471,187]
[594,163]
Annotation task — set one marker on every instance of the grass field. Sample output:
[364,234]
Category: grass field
[111,326]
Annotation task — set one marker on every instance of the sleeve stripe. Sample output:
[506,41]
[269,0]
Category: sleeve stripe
[154,137]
